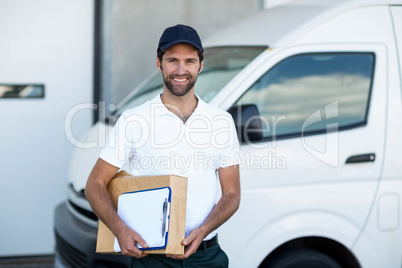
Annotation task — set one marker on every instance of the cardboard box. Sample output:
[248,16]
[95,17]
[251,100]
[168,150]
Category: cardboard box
[124,182]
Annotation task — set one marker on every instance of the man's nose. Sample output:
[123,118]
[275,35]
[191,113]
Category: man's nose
[181,68]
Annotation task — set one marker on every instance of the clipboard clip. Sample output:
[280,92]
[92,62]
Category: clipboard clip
[164,217]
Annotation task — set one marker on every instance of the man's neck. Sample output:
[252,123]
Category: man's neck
[182,106]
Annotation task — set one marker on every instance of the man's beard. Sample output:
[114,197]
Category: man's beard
[179,91]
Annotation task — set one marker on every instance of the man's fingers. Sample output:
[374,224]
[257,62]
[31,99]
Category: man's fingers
[192,241]
[142,243]
[187,241]
[130,246]
[190,250]
[188,253]
[135,252]
[143,254]
[177,257]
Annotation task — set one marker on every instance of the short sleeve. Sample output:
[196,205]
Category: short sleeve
[119,145]
[229,155]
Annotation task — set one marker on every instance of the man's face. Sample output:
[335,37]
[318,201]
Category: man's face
[180,67]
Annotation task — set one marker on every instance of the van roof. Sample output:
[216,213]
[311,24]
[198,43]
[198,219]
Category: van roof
[285,22]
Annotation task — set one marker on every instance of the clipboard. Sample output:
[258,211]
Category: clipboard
[123,182]
[148,213]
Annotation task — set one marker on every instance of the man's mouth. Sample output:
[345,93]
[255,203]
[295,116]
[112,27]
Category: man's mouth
[180,80]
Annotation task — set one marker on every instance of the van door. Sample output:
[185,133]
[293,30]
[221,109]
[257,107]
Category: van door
[314,170]
[396,12]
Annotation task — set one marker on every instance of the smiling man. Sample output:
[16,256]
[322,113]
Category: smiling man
[179,78]
[208,133]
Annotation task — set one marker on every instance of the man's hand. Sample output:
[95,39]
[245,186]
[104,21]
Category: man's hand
[99,199]
[223,210]
[128,240]
[192,242]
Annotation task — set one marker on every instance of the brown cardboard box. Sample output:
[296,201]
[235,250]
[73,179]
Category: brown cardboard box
[124,182]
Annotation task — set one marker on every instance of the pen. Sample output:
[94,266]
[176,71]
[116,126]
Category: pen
[165,204]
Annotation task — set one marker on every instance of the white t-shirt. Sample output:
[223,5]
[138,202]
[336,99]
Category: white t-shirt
[157,142]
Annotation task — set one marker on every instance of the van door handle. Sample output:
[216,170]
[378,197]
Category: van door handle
[361,158]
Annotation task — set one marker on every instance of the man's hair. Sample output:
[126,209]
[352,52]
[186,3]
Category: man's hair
[160,54]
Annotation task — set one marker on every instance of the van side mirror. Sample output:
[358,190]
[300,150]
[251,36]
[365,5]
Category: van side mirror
[247,122]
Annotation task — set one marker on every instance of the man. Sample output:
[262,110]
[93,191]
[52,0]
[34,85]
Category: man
[176,125]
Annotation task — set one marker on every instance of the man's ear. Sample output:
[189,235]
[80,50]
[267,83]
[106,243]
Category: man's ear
[158,64]
[201,66]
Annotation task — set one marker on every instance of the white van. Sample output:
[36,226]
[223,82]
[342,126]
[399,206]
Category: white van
[315,90]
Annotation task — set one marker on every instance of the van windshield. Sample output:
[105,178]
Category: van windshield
[221,64]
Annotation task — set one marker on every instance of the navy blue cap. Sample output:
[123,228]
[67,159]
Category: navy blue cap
[179,34]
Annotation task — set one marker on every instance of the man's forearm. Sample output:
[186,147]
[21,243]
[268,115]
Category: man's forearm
[99,199]
[229,203]
[98,196]
[223,210]
[101,204]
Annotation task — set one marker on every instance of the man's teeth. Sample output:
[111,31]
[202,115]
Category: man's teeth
[179,80]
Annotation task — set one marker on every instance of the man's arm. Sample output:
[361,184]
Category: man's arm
[99,199]
[228,204]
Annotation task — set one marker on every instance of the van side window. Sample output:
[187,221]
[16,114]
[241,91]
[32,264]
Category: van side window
[333,87]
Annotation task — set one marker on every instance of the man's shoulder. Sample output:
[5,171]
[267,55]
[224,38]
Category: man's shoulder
[143,109]
[215,111]
[136,110]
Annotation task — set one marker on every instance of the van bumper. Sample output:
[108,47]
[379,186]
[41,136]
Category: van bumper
[76,243]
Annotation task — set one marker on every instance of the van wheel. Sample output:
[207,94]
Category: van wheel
[302,258]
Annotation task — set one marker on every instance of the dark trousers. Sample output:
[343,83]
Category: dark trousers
[213,257]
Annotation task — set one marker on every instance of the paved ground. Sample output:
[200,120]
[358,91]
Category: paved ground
[27,262]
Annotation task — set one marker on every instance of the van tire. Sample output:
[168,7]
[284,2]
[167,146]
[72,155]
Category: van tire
[302,258]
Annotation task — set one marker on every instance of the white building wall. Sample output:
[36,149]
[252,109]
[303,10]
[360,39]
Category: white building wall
[51,43]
